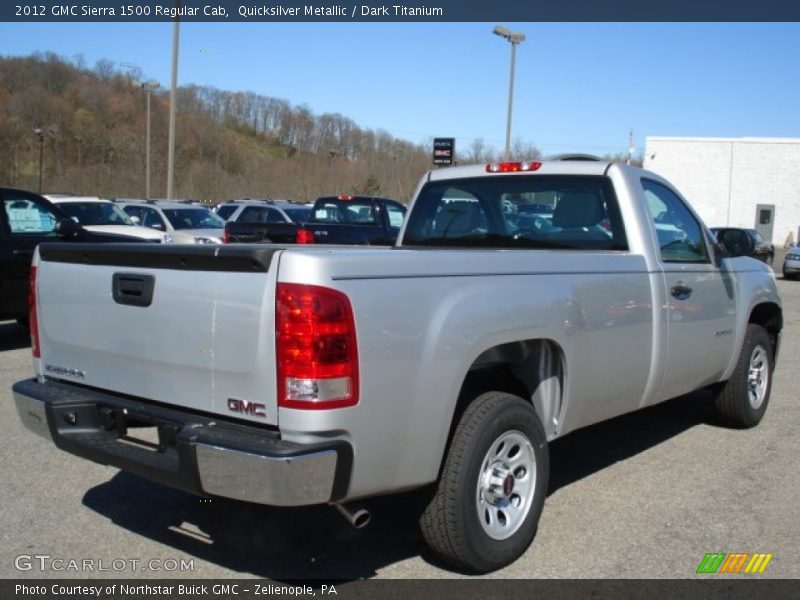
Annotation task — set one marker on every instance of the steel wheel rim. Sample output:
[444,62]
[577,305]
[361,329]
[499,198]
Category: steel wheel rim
[506,485]
[757,377]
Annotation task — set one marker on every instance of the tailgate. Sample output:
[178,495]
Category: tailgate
[189,326]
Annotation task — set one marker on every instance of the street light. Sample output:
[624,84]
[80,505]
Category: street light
[173,98]
[514,39]
[38,131]
[148,87]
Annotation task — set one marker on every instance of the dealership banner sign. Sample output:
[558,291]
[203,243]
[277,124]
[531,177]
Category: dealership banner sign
[396,10]
[444,150]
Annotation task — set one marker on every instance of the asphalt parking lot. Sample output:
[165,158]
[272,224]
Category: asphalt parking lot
[643,496]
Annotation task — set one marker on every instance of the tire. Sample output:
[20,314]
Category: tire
[742,400]
[492,488]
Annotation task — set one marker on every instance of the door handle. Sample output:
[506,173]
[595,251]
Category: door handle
[23,253]
[680,291]
[133,289]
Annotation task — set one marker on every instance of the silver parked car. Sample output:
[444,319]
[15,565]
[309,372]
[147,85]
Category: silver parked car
[791,263]
[263,211]
[183,222]
[103,216]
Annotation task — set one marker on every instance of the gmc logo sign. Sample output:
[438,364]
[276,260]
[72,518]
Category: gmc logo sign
[245,407]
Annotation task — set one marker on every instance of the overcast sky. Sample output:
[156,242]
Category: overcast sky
[579,86]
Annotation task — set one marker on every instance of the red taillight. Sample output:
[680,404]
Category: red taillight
[304,236]
[226,238]
[316,349]
[33,319]
[512,167]
[345,197]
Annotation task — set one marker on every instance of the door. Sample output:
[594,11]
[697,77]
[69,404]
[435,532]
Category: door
[700,301]
[27,220]
[765,218]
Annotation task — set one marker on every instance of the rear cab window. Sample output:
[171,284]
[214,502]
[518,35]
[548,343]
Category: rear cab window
[573,212]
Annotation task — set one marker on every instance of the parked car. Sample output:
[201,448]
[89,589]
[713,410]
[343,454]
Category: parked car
[183,222]
[357,220]
[263,211]
[791,263]
[104,216]
[762,249]
[26,220]
[294,375]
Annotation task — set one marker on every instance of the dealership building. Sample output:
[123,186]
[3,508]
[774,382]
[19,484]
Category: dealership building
[736,182]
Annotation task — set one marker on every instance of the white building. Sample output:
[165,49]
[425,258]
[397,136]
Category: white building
[738,182]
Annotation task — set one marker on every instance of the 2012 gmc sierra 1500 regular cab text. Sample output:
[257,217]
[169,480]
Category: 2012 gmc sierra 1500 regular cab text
[521,302]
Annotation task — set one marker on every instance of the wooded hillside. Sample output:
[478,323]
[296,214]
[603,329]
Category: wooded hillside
[229,144]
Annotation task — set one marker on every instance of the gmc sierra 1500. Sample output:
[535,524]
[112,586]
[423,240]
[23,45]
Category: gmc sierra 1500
[521,302]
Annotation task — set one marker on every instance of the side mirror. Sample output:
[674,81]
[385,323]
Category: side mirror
[735,242]
[136,220]
[66,227]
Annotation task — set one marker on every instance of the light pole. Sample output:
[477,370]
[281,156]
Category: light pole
[148,87]
[173,97]
[38,131]
[514,39]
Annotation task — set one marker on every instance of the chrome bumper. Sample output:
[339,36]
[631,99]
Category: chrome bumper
[194,453]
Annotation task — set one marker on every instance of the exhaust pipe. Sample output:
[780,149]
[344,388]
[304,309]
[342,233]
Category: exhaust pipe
[358,517]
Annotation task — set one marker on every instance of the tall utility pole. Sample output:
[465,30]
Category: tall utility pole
[332,155]
[148,87]
[39,132]
[173,93]
[514,39]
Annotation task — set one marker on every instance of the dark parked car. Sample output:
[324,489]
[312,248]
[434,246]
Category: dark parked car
[27,219]
[762,249]
[359,220]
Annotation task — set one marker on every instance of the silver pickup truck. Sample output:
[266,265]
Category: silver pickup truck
[521,302]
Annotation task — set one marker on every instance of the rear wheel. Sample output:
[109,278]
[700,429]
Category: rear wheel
[491,492]
[742,400]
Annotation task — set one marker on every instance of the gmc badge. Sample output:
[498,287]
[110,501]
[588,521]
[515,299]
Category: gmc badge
[245,407]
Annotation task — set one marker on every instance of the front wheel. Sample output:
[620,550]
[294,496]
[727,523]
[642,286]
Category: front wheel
[491,492]
[742,400]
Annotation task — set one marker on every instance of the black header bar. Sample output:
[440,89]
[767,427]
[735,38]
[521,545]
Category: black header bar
[409,11]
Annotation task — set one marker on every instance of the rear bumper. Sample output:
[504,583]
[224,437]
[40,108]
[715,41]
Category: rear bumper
[194,453]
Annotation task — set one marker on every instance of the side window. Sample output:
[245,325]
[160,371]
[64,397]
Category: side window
[133,211]
[226,211]
[25,215]
[274,216]
[395,215]
[151,218]
[251,214]
[680,235]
